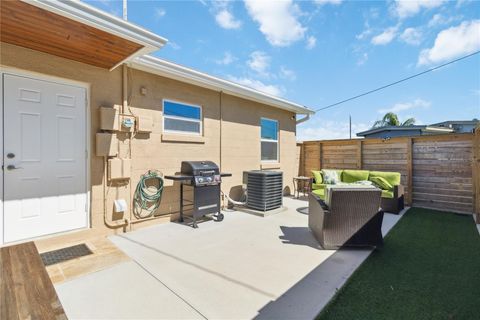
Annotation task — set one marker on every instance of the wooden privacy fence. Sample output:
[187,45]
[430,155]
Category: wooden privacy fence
[438,171]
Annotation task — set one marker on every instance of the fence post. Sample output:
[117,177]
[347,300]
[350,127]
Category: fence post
[410,171]
[359,154]
[319,155]
[476,174]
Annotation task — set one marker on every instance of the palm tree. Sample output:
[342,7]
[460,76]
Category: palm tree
[391,120]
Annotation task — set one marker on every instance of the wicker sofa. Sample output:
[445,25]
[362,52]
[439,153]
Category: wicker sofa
[353,218]
[392,200]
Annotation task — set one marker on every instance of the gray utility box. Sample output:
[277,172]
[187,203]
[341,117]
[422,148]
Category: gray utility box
[264,189]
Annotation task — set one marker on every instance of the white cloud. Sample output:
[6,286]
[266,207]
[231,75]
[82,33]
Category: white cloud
[333,2]
[259,62]
[439,19]
[226,20]
[402,106]
[411,36]
[408,8]
[452,43]
[365,33]
[278,20]
[385,37]
[227,59]
[258,85]
[174,45]
[288,74]
[436,20]
[160,13]
[311,42]
[364,58]
[319,129]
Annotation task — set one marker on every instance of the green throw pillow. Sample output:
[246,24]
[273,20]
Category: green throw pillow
[382,183]
[318,176]
[330,176]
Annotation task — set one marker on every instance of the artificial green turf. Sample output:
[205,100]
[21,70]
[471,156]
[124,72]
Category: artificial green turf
[429,268]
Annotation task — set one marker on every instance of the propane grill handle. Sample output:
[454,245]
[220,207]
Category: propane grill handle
[207,173]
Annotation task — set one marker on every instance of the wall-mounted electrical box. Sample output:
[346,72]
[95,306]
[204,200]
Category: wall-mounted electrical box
[106,144]
[119,168]
[127,123]
[109,118]
[144,124]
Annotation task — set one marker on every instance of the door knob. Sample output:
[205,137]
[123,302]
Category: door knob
[12,167]
[10,155]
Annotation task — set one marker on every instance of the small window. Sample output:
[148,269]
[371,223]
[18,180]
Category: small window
[269,140]
[182,118]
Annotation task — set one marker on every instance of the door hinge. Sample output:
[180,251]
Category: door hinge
[86,154]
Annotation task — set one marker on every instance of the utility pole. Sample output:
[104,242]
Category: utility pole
[350,125]
[125,10]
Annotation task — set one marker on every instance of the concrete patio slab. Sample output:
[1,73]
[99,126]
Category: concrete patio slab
[124,291]
[246,266]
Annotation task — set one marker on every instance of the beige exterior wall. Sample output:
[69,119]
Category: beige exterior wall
[231,132]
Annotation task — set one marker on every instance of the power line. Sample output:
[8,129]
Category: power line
[397,82]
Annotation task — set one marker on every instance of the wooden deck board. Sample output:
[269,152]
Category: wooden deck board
[26,290]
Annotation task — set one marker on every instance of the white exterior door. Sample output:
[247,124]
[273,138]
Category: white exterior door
[45,159]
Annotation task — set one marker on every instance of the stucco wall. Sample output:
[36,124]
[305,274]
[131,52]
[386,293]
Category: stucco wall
[231,130]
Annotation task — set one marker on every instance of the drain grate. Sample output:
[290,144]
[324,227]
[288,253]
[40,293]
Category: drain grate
[65,254]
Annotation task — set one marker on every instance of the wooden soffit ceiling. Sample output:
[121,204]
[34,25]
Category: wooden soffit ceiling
[31,27]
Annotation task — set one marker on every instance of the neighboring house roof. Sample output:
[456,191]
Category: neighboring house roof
[453,122]
[175,71]
[427,129]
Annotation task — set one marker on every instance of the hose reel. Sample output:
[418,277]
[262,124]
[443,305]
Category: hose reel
[148,194]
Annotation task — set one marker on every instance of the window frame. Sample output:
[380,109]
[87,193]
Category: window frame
[188,104]
[277,141]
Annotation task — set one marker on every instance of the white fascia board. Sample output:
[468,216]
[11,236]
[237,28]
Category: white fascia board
[88,15]
[174,71]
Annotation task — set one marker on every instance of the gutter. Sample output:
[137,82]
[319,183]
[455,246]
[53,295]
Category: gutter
[437,129]
[174,71]
[302,120]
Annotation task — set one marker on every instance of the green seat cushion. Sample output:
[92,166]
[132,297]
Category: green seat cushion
[317,175]
[316,186]
[339,174]
[350,176]
[387,194]
[320,193]
[382,183]
[392,177]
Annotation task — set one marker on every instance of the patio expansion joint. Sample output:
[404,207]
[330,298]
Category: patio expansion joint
[168,288]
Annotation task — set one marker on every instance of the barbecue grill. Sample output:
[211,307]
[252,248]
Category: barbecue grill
[204,178]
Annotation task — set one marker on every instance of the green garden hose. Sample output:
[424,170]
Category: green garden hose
[148,194]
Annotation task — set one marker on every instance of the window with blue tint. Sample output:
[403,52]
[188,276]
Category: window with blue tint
[176,109]
[269,140]
[269,129]
[182,118]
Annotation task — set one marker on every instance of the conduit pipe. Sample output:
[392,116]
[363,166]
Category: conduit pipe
[110,224]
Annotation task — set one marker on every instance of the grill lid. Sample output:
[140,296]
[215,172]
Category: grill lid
[199,168]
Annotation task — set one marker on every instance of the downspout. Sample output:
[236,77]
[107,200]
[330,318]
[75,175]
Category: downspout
[220,103]
[302,120]
[220,139]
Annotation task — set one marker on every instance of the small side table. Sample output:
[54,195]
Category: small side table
[301,184]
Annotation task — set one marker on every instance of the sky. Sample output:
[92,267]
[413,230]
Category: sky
[317,53]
